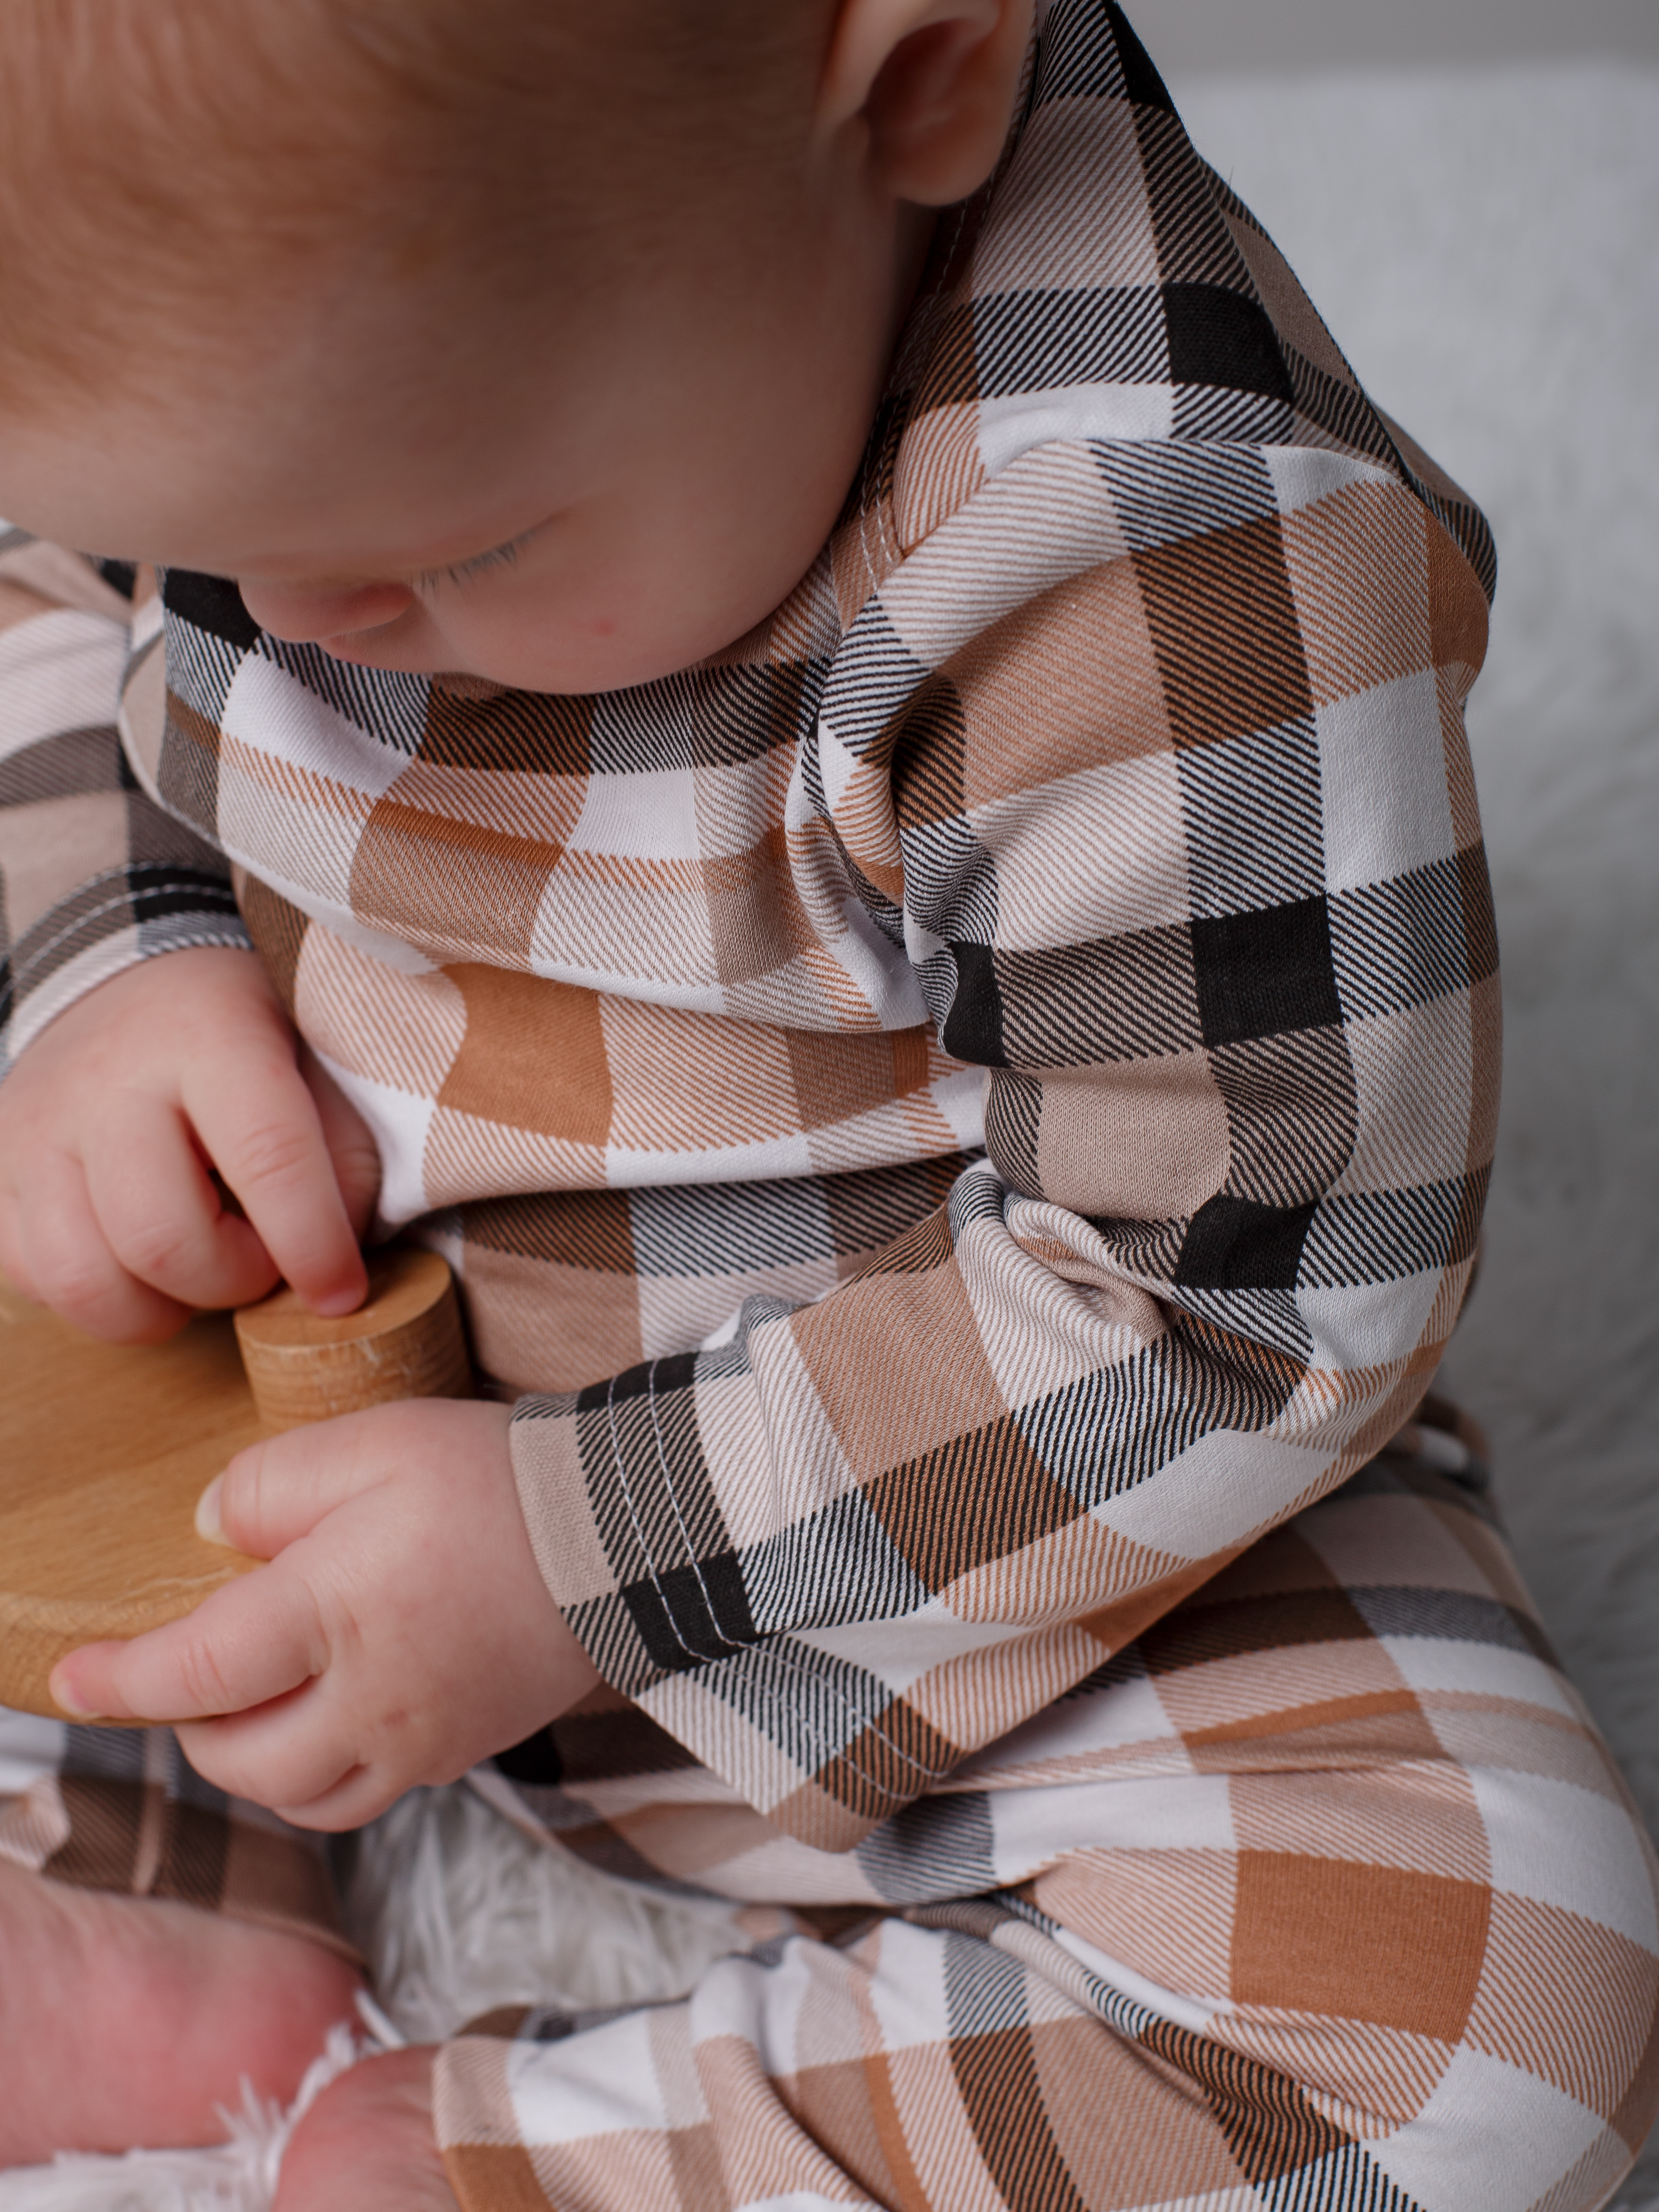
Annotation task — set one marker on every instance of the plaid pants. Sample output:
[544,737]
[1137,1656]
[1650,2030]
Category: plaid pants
[1325,1894]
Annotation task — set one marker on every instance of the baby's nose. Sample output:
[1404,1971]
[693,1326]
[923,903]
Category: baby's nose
[308,614]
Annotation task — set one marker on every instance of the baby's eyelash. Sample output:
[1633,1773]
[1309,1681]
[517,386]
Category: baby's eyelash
[463,571]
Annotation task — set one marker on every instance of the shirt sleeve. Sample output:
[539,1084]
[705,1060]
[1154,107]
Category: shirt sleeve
[94,875]
[1150,754]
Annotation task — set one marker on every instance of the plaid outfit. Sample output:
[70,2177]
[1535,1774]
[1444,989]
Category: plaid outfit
[963,1120]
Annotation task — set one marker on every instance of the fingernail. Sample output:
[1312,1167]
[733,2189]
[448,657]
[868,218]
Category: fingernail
[209,1526]
[65,1698]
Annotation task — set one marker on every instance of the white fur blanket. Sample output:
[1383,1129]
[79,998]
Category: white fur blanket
[1484,244]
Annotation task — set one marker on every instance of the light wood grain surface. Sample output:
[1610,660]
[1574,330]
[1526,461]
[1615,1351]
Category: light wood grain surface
[104,1451]
[104,1448]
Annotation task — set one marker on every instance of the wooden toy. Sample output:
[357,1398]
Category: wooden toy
[104,1448]
[403,1341]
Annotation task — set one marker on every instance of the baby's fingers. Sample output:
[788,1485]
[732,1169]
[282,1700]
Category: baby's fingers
[277,1490]
[251,1641]
[288,1755]
[350,1142]
[65,1260]
[161,1215]
[277,1159]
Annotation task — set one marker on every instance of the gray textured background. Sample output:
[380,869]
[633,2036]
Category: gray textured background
[1188,36]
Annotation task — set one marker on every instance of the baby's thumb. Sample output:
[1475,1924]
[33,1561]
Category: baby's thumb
[276,1490]
[350,1142]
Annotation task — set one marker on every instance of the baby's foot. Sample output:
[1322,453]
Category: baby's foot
[367,2144]
[125,2023]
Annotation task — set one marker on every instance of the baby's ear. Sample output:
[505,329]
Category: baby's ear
[932,83]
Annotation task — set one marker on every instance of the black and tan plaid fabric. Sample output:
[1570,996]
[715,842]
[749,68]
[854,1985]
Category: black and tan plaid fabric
[121,1809]
[1322,1897]
[1100,797]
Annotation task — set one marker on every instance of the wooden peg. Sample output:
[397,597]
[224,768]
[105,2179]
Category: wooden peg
[104,1448]
[403,1341]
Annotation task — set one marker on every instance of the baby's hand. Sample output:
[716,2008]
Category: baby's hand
[111,1121]
[401,1633]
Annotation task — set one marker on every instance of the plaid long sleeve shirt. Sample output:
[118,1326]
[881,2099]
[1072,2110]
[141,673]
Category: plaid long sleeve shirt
[960,1112]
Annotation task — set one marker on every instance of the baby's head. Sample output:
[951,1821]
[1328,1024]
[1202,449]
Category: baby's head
[531,338]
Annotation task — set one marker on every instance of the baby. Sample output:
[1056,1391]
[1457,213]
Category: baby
[756,667]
